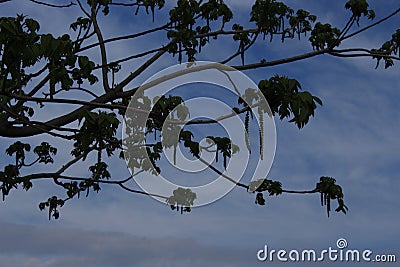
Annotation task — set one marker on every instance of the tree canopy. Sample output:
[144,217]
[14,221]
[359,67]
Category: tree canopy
[42,74]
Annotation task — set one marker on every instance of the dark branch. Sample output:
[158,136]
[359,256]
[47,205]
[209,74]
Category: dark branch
[124,4]
[282,61]
[339,53]
[40,127]
[138,71]
[371,25]
[241,51]
[130,57]
[103,52]
[7,131]
[52,5]
[131,36]
[247,187]
[93,104]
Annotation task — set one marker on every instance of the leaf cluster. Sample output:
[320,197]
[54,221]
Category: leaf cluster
[45,152]
[285,99]
[360,8]
[183,19]
[271,16]
[182,199]
[224,146]
[324,36]
[149,5]
[21,46]
[171,107]
[52,204]
[97,132]
[10,176]
[389,48]
[262,185]
[329,190]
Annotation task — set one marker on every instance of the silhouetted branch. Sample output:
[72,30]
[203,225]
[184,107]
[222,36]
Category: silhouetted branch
[371,25]
[282,61]
[125,37]
[103,52]
[53,5]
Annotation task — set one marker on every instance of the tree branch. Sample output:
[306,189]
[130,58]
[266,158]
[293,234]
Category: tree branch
[8,131]
[247,187]
[371,25]
[130,57]
[124,4]
[300,191]
[131,36]
[338,53]
[74,88]
[43,128]
[240,51]
[282,61]
[103,52]
[220,173]
[142,192]
[83,9]
[93,103]
[52,5]
[138,71]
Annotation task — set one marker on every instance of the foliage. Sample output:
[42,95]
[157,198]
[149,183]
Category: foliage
[329,190]
[284,99]
[181,200]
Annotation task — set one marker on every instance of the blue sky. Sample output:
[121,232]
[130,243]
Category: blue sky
[353,137]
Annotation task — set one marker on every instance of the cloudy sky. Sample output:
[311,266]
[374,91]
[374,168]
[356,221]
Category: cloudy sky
[353,137]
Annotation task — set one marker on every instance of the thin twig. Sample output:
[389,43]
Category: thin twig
[52,5]
[103,52]
[73,88]
[69,101]
[131,36]
[124,4]
[221,174]
[371,25]
[83,9]
[142,192]
[129,58]
[240,51]
[377,55]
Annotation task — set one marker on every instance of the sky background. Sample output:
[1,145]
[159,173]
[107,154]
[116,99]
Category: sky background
[353,137]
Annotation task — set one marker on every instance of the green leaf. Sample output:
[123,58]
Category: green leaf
[32,25]
[181,199]
[83,61]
